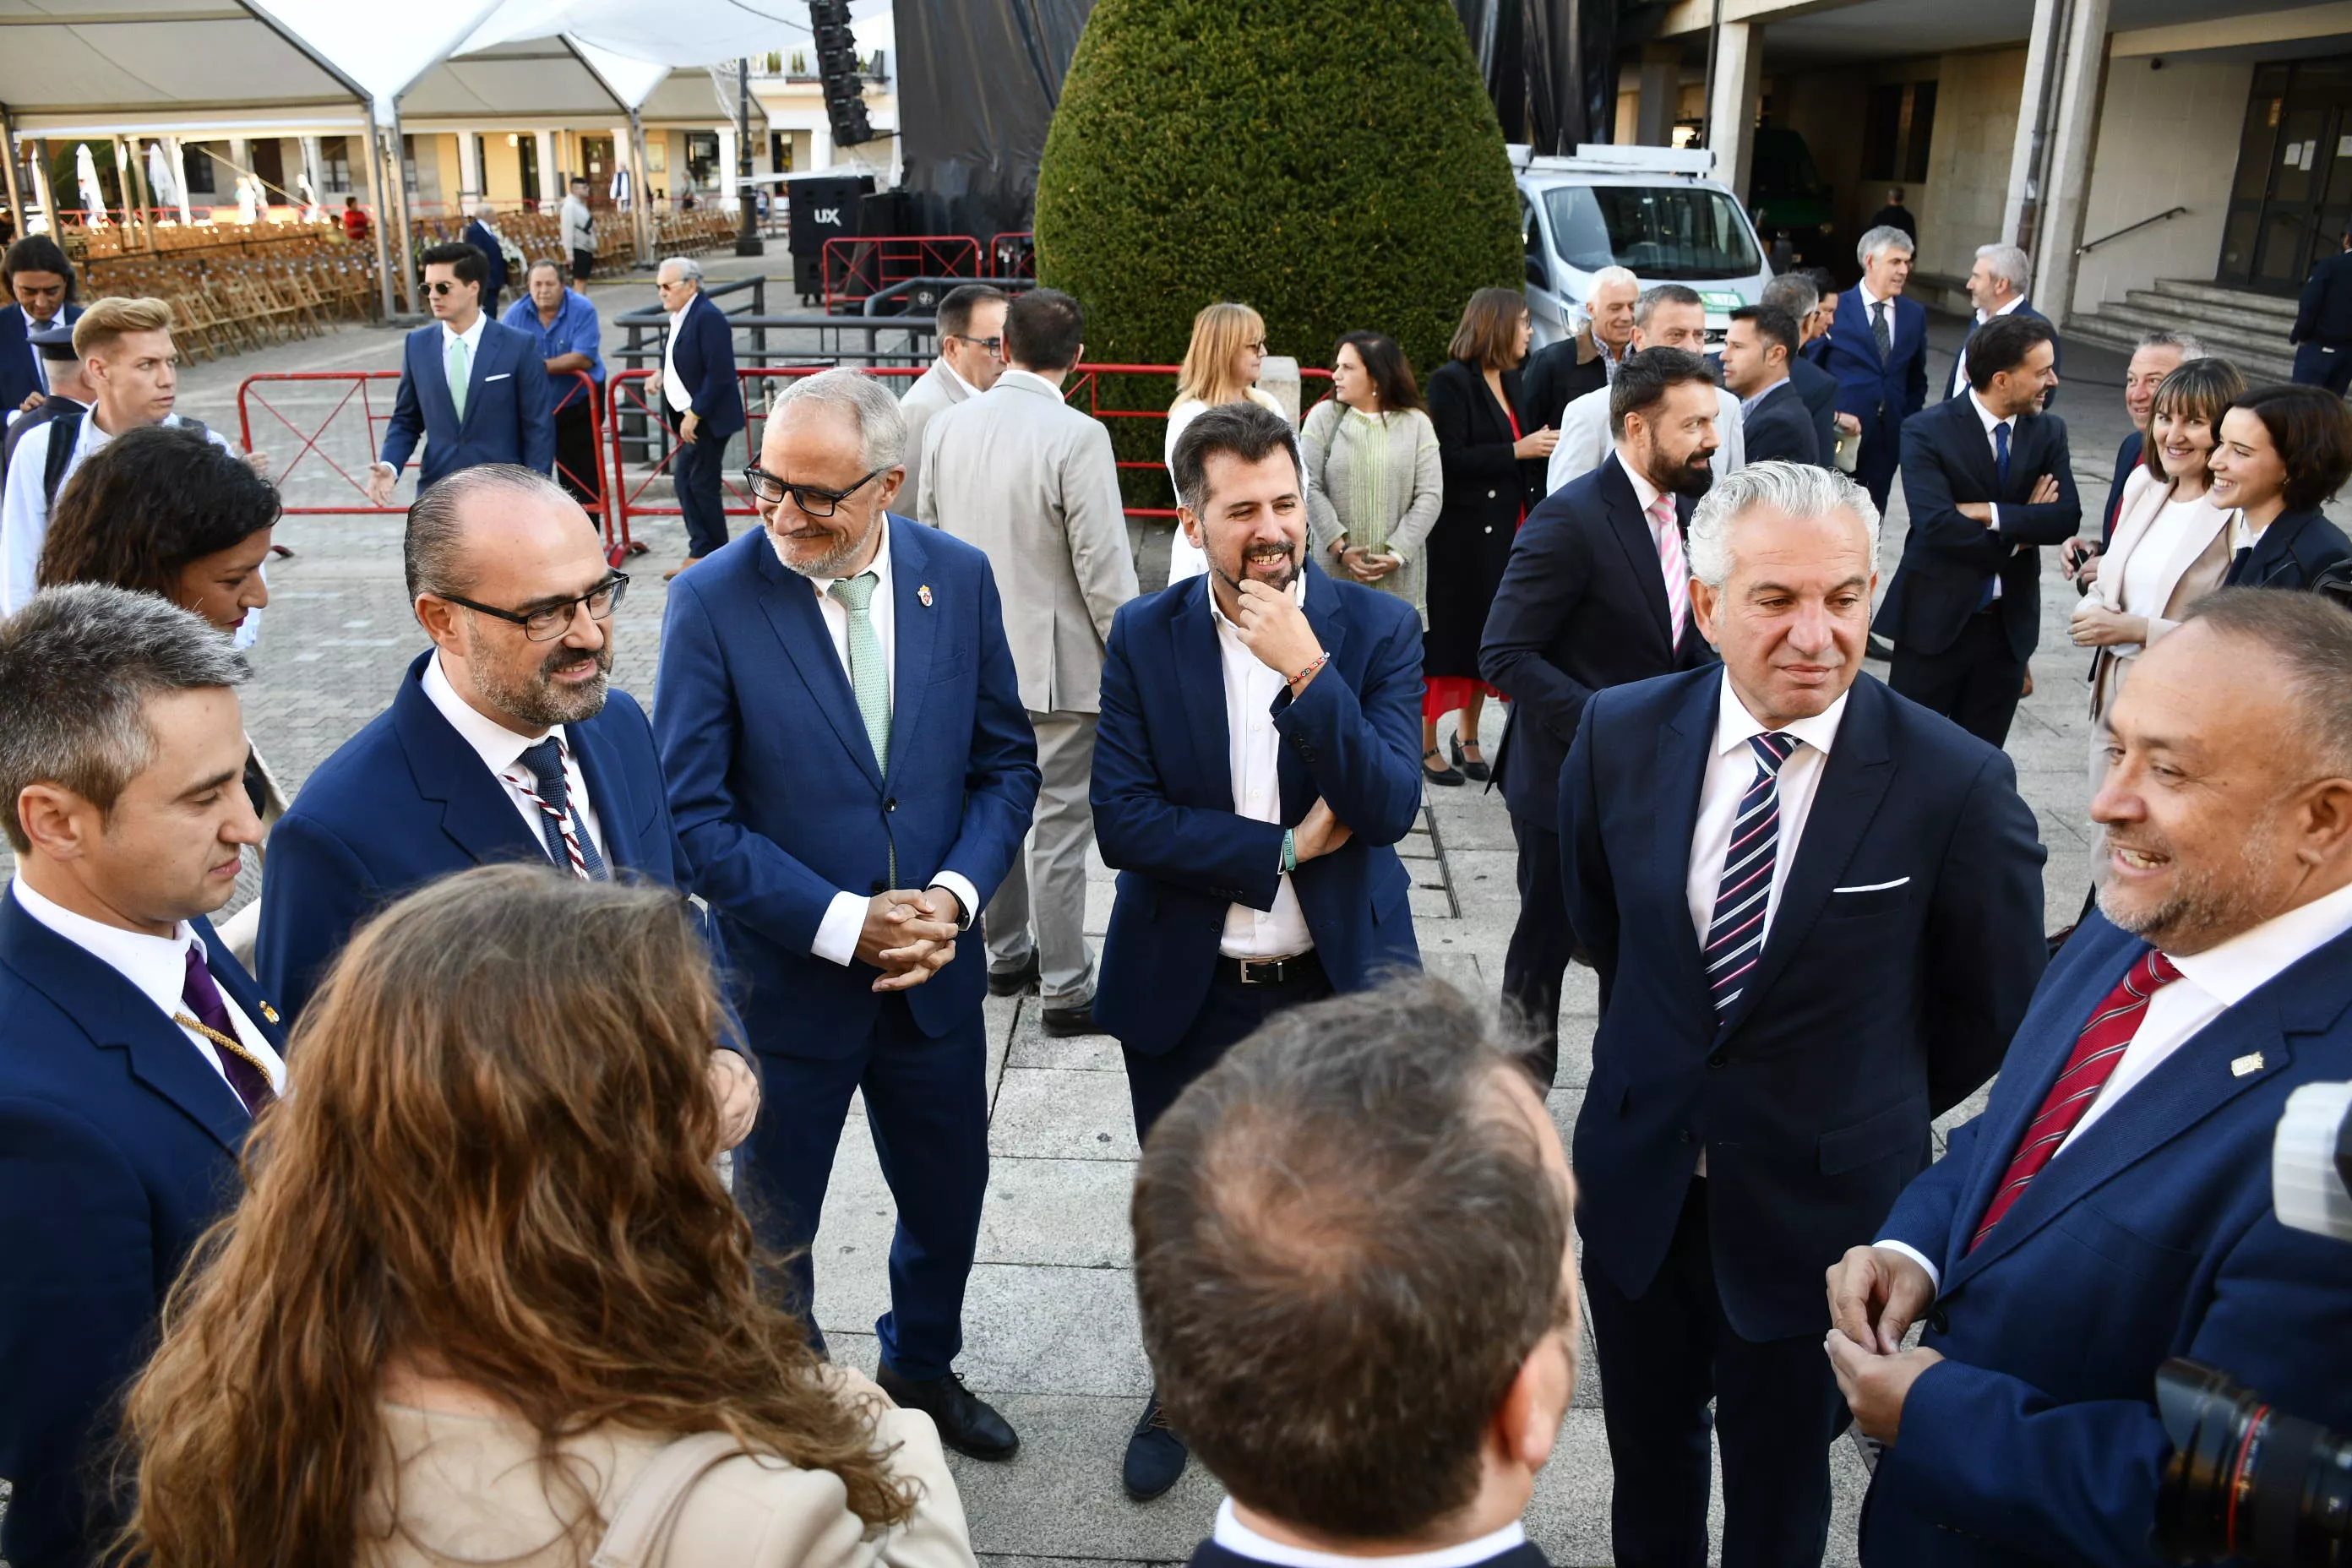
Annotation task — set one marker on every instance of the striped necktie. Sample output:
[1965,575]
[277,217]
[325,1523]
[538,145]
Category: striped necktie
[1734,935]
[568,843]
[2098,1050]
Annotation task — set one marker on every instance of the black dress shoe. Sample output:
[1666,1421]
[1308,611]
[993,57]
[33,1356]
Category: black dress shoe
[1062,1022]
[1442,776]
[1013,982]
[967,1423]
[1476,772]
[1155,1455]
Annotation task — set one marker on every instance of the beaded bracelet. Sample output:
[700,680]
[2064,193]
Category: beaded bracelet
[1320,661]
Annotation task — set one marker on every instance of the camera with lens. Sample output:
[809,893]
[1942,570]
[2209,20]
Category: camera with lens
[2246,1481]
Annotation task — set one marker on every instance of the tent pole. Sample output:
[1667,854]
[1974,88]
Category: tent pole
[177,157]
[15,181]
[383,212]
[41,190]
[136,169]
[641,213]
[407,224]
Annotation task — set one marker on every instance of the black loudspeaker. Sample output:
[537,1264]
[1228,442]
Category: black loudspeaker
[837,72]
[822,209]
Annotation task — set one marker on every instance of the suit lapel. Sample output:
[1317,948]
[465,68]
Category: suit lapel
[433,379]
[1685,742]
[116,1017]
[477,368]
[476,812]
[1854,779]
[917,629]
[1298,790]
[1197,666]
[1632,530]
[790,604]
[600,770]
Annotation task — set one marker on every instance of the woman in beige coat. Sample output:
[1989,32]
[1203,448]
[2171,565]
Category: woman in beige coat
[487,1300]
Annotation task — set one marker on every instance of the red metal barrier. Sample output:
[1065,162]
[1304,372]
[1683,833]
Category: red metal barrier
[856,267]
[1088,380]
[1013,253]
[329,440]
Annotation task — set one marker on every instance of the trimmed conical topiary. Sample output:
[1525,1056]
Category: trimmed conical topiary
[1335,164]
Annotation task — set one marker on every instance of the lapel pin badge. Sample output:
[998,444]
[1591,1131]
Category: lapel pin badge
[2251,1062]
[269,1012]
[924,593]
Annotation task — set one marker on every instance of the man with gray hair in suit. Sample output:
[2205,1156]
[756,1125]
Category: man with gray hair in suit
[1997,285]
[1032,481]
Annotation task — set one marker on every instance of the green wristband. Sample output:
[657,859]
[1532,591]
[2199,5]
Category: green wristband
[1289,851]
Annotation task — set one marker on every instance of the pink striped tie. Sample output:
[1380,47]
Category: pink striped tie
[1669,537]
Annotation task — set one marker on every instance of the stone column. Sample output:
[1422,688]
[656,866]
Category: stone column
[1731,117]
[1661,91]
[550,187]
[469,166]
[727,188]
[2073,132]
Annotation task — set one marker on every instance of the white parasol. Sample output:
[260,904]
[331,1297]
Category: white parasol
[93,199]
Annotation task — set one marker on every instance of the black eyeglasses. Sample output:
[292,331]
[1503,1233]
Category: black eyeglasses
[442,286]
[995,346]
[814,500]
[552,621]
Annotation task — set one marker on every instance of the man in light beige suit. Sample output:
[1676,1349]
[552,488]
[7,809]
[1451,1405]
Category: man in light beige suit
[972,356]
[1032,481]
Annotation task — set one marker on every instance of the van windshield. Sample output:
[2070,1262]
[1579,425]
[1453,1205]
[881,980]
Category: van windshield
[1662,232]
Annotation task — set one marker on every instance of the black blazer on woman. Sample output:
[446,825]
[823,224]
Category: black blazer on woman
[2292,552]
[1487,489]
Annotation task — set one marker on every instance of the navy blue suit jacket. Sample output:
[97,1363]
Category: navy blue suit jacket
[1583,605]
[2292,552]
[1209,1555]
[18,379]
[117,1147]
[2151,1235]
[492,253]
[2323,314]
[1780,428]
[705,357]
[1164,800]
[1948,558]
[407,800]
[1819,388]
[1882,393]
[773,784]
[2128,456]
[1902,953]
[510,412]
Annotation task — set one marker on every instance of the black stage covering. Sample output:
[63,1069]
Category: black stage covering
[1530,51]
[978,80]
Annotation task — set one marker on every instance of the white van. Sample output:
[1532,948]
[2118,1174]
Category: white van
[1650,209]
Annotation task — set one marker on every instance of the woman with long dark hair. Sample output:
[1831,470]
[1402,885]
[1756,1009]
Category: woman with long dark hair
[486,1281]
[1373,484]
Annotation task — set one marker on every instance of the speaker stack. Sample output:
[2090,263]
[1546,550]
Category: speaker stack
[837,72]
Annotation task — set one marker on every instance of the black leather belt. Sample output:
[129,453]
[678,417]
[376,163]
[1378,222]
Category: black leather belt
[1288,970]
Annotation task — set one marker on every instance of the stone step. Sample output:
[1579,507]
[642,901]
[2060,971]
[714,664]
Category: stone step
[2264,338]
[2124,337]
[2199,316]
[2261,356]
[2227,297]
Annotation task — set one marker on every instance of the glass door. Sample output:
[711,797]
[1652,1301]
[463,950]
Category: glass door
[2293,194]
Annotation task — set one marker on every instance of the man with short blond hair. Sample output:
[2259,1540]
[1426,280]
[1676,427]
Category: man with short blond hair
[133,371]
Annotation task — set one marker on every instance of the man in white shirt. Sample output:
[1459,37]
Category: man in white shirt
[1368,1191]
[972,356]
[1258,759]
[133,371]
[1667,316]
[698,392]
[135,1051]
[578,232]
[2113,1206]
[1815,910]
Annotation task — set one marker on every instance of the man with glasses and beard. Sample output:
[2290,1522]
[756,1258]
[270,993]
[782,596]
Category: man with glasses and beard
[1257,760]
[1597,594]
[504,742]
[852,772]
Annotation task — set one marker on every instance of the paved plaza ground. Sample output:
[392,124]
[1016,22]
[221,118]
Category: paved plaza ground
[1051,1314]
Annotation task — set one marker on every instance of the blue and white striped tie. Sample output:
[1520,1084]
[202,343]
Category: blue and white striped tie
[1734,937]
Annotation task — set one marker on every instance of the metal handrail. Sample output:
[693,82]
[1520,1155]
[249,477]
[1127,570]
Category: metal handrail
[2082,250]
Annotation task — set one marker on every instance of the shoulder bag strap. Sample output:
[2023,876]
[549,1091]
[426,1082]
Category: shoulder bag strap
[640,1527]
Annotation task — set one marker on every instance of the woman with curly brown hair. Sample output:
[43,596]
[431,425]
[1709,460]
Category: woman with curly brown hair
[485,1298]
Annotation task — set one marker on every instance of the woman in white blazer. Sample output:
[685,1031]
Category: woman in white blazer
[2172,544]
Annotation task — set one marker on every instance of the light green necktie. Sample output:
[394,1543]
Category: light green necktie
[869,677]
[453,358]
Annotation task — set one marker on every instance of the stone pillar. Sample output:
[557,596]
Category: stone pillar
[821,146]
[1731,118]
[314,169]
[728,191]
[240,152]
[1661,89]
[469,166]
[177,156]
[2043,45]
[2073,132]
[551,186]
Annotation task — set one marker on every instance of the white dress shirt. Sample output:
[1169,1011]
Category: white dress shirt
[1242,1540]
[2211,984]
[1585,439]
[1254,756]
[24,506]
[157,967]
[674,391]
[501,750]
[845,917]
[1730,769]
[1960,361]
[1991,421]
[1869,302]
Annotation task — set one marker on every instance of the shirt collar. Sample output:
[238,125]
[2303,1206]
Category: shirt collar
[1643,491]
[156,965]
[1987,417]
[499,747]
[1735,725]
[1869,300]
[2232,971]
[472,335]
[879,566]
[1745,403]
[2015,301]
[1298,597]
[968,389]
[1029,378]
[1241,1540]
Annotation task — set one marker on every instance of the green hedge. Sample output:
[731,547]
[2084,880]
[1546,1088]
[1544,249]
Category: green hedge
[1335,164]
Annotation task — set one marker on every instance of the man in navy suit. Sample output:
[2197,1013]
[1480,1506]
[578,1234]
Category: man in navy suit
[39,283]
[2322,334]
[1775,426]
[2112,1207]
[1988,483]
[1816,911]
[1257,760]
[1596,593]
[474,388]
[696,387]
[1796,294]
[1877,349]
[1996,286]
[484,238]
[1367,1194]
[133,1050]
[852,771]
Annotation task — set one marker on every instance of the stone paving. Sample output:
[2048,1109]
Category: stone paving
[1051,1314]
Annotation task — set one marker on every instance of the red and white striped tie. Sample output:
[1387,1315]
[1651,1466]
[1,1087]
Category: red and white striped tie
[1669,537]
[2097,1050]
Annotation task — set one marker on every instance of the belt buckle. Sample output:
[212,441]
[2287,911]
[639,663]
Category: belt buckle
[1263,971]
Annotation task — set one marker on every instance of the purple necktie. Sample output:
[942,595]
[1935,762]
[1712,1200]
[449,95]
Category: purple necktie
[204,999]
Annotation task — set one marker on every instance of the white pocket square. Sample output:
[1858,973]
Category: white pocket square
[1873,886]
[502,375]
